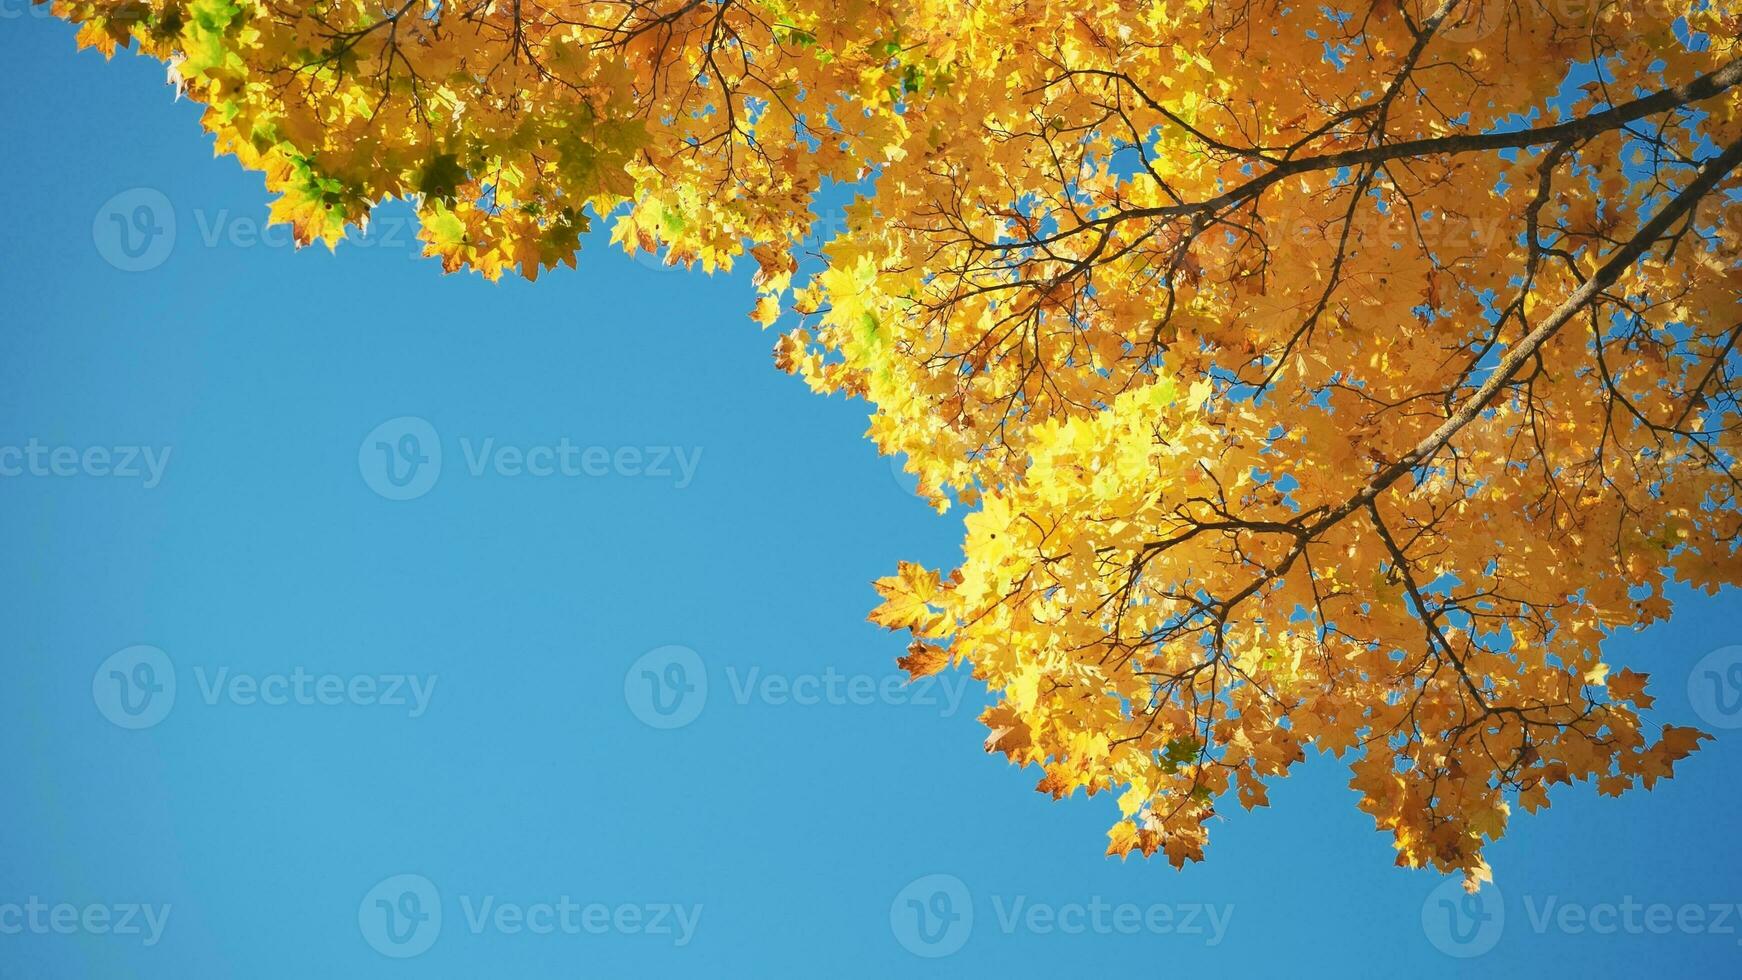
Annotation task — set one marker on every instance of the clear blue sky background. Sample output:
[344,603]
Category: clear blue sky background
[530,775]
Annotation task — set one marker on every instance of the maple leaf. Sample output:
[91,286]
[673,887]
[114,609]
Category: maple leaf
[1629,686]
[923,660]
[441,177]
[906,598]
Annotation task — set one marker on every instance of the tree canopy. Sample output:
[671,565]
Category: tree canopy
[1312,376]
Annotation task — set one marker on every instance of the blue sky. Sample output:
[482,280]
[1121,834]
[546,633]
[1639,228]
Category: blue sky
[431,720]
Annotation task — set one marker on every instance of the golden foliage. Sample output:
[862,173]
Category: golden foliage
[1313,378]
